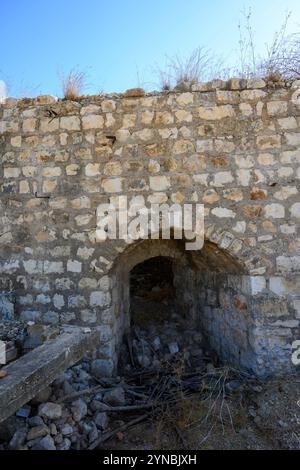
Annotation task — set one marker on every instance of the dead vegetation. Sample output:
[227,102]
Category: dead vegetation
[73,84]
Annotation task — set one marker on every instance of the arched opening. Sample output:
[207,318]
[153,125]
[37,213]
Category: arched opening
[197,303]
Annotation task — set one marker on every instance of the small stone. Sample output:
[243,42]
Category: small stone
[101,420]
[79,409]
[37,432]
[115,397]
[173,347]
[18,439]
[36,421]
[50,410]
[47,443]
[67,430]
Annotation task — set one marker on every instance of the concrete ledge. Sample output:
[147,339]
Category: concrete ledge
[27,376]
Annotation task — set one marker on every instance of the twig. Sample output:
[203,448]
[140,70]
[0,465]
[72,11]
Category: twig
[110,434]
[86,391]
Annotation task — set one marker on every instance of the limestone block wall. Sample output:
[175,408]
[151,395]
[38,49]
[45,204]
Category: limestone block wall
[234,146]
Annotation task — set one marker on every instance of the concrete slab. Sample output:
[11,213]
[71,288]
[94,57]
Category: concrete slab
[27,376]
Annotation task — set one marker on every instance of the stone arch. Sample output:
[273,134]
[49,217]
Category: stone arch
[212,284]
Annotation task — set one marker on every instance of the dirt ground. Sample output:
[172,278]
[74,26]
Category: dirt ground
[261,416]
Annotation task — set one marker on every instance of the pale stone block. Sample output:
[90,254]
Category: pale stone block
[16,141]
[90,109]
[87,283]
[183,146]
[183,116]
[93,121]
[201,179]
[72,169]
[123,135]
[76,301]
[157,198]
[288,264]
[215,112]
[288,123]
[258,284]
[185,99]
[266,159]
[58,301]
[164,118]
[70,123]
[29,125]
[240,226]
[113,185]
[268,141]
[105,283]
[274,211]
[292,138]
[296,304]
[113,169]
[147,117]
[277,107]
[24,187]
[108,106]
[244,162]
[159,183]
[100,299]
[33,266]
[49,186]
[243,177]
[246,109]
[49,125]
[222,178]
[223,212]
[85,253]
[11,172]
[285,192]
[251,95]
[43,299]
[153,166]
[204,145]
[74,266]
[50,172]
[82,202]
[53,267]
[92,169]
[29,171]
[144,135]
[83,219]
[129,121]
[295,210]
[88,316]
[285,172]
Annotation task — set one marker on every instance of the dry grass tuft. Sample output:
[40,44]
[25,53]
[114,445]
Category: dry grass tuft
[73,84]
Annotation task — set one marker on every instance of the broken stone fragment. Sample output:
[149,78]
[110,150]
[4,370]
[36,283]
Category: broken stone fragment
[79,409]
[101,420]
[50,410]
[115,397]
[47,443]
[37,432]
[173,347]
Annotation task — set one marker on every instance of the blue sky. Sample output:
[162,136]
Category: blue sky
[118,43]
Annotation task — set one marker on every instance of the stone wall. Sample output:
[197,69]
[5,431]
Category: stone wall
[235,147]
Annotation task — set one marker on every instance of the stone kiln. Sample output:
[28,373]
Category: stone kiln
[232,146]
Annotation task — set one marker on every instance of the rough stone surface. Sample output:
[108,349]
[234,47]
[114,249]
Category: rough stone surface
[232,146]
